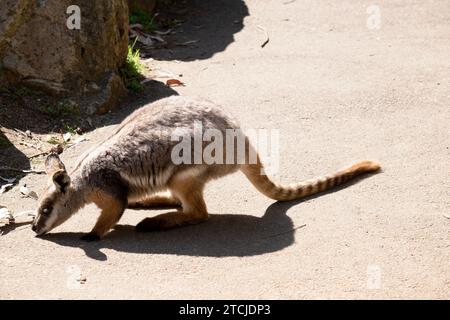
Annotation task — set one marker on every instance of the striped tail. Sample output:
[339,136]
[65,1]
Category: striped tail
[262,182]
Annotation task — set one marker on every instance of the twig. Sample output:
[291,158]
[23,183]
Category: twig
[163,33]
[267,35]
[187,43]
[21,170]
[38,154]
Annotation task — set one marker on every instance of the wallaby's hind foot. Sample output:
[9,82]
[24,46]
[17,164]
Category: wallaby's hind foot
[190,192]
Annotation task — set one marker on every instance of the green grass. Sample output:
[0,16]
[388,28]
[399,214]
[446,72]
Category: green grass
[132,70]
[53,140]
[61,109]
[69,128]
[145,19]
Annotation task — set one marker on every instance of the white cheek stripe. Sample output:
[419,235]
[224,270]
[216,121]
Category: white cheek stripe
[50,221]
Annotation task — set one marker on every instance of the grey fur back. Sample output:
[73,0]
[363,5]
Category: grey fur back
[140,148]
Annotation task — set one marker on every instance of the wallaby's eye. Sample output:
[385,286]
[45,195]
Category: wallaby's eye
[46,211]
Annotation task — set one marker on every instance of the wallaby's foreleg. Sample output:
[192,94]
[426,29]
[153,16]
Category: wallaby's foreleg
[111,211]
[190,192]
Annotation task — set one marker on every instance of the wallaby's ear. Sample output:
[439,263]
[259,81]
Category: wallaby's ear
[61,180]
[53,164]
[57,171]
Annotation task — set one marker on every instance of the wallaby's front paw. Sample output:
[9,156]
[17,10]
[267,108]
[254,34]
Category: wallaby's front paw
[89,237]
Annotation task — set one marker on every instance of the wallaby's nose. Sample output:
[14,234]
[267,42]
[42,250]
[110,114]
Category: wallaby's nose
[33,227]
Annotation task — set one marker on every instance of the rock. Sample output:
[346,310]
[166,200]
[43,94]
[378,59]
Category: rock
[142,5]
[107,98]
[38,49]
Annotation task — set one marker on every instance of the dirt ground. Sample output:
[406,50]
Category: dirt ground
[339,89]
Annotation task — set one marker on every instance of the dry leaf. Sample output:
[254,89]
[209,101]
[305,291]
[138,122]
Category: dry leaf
[147,41]
[77,141]
[5,187]
[5,216]
[67,136]
[82,279]
[8,180]
[25,191]
[174,83]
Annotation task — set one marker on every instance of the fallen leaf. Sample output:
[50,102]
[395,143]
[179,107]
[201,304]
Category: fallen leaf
[146,41]
[5,216]
[8,180]
[25,191]
[82,279]
[67,136]
[5,187]
[174,83]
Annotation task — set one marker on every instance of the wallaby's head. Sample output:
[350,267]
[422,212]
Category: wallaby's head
[54,206]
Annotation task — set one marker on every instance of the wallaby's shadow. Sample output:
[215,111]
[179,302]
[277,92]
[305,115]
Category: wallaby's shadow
[223,235]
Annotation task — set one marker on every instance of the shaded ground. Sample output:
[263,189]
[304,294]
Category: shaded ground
[338,92]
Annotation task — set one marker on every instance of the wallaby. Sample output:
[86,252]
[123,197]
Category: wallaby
[135,164]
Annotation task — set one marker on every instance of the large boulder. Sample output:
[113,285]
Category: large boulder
[42,46]
[142,5]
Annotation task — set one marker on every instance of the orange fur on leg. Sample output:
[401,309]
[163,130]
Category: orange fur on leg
[111,211]
[190,192]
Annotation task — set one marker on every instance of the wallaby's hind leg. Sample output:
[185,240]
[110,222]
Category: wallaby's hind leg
[111,211]
[190,192]
[156,201]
